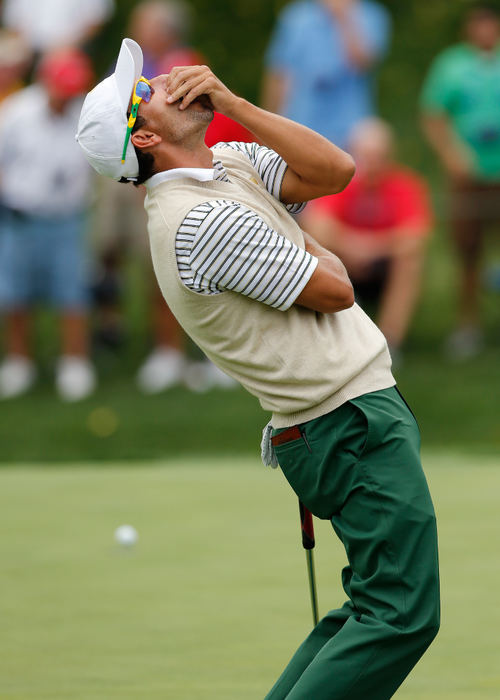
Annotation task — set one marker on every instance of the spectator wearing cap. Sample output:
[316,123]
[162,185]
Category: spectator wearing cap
[44,190]
[378,226]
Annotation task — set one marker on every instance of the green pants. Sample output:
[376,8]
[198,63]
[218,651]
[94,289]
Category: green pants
[359,467]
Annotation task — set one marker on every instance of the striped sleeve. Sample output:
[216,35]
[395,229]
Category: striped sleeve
[270,166]
[222,245]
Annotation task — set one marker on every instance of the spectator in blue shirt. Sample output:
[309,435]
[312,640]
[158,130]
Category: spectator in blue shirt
[321,60]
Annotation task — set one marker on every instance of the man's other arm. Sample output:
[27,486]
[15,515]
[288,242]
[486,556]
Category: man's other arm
[454,155]
[329,288]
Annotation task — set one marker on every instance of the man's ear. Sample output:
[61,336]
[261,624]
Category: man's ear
[143,138]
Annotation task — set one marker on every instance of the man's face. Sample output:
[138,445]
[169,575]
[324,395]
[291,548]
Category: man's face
[152,27]
[483,30]
[338,6]
[372,151]
[174,125]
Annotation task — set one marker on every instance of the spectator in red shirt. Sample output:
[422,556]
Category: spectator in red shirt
[378,226]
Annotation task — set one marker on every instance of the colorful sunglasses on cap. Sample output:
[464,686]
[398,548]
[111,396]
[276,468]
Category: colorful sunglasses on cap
[143,90]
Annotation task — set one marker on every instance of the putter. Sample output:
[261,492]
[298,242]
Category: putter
[307,527]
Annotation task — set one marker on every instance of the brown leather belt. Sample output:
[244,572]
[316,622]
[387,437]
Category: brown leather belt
[287,435]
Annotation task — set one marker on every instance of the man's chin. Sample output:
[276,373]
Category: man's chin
[202,110]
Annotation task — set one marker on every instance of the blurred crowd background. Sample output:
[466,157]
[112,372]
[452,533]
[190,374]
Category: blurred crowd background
[89,349]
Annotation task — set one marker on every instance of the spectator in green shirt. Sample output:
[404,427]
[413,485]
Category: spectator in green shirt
[461,118]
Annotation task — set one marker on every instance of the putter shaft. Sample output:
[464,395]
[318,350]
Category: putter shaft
[312,585]
[308,542]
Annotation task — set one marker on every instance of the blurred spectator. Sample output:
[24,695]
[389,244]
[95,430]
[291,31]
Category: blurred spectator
[50,24]
[320,63]
[44,191]
[378,226]
[15,57]
[461,118]
[161,29]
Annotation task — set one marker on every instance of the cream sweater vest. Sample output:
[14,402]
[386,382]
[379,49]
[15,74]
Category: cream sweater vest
[300,363]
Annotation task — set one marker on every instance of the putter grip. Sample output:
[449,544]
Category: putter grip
[306,524]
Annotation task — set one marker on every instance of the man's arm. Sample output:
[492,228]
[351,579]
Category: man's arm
[359,53]
[223,246]
[402,289]
[355,249]
[454,155]
[316,166]
[329,288]
[274,90]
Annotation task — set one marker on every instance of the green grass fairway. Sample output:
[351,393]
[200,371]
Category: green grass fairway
[213,599]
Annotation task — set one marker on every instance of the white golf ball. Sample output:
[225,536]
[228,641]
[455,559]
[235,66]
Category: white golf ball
[126,535]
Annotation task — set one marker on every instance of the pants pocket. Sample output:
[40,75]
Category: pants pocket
[320,466]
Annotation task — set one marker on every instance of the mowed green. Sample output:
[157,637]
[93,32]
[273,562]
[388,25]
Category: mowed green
[213,599]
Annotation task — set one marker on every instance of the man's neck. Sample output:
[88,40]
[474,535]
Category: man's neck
[180,157]
[487,51]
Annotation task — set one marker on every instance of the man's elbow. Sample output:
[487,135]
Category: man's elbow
[342,300]
[344,172]
[347,299]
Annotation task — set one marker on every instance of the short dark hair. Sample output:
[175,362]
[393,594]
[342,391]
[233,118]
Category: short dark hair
[146,160]
[487,9]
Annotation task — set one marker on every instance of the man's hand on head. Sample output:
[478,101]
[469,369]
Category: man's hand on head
[316,166]
[188,83]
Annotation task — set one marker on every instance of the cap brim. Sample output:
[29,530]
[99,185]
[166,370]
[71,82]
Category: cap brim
[128,70]
[103,119]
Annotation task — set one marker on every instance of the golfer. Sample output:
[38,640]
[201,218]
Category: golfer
[275,310]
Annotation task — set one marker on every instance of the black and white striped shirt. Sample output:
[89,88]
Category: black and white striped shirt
[223,245]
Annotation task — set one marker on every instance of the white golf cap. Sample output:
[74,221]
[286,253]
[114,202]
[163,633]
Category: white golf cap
[103,120]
